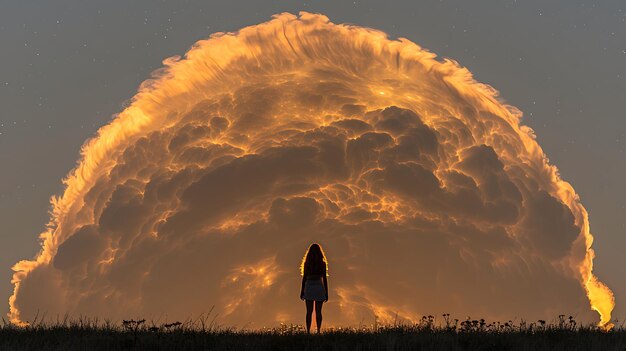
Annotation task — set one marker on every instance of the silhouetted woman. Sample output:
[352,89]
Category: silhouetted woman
[314,269]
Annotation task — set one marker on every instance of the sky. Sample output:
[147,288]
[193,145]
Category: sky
[68,67]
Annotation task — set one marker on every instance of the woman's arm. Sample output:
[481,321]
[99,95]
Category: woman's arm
[326,286]
[302,289]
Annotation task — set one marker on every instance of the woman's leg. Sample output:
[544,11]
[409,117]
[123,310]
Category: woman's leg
[318,314]
[309,313]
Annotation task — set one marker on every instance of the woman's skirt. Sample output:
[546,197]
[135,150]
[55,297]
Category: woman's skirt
[314,290]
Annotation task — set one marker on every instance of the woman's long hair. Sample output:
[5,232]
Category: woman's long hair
[314,261]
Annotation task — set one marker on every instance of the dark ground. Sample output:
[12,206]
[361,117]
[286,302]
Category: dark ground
[450,335]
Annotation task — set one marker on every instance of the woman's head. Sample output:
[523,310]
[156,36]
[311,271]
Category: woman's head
[314,261]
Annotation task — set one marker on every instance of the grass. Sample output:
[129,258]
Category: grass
[203,334]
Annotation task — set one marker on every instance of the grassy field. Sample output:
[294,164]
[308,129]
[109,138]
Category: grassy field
[443,333]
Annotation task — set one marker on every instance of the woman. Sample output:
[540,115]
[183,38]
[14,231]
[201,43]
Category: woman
[314,269]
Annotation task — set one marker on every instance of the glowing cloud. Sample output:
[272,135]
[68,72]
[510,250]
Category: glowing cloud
[425,191]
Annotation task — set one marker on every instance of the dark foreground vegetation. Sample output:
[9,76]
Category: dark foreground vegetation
[201,334]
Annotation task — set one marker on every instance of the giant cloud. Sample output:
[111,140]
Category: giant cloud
[426,191]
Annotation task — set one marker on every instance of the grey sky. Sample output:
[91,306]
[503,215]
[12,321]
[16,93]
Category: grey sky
[68,66]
